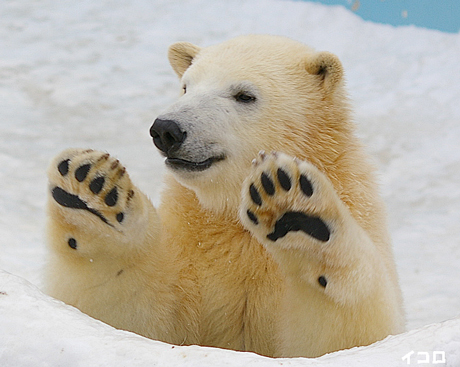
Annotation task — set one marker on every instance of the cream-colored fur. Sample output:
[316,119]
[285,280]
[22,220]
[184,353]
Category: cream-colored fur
[200,269]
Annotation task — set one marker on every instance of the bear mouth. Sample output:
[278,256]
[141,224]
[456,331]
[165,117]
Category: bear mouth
[182,164]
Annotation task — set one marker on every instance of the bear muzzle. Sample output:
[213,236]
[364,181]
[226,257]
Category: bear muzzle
[168,137]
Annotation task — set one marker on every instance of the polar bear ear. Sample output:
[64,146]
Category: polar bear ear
[328,68]
[181,55]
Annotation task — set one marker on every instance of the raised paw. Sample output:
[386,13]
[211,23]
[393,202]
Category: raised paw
[283,195]
[92,182]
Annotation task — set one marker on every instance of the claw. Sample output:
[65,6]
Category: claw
[121,172]
[115,164]
[104,157]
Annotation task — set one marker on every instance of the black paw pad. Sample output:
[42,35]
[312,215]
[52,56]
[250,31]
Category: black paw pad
[284,179]
[305,185]
[97,184]
[82,172]
[69,200]
[252,217]
[255,195]
[63,167]
[322,281]
[112,197]
[298,221]
[267,184]
[72,242]
[120,217]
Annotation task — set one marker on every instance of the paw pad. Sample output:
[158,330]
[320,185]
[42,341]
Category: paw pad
[322,281]
[298,221]
[305,185]
[267,184]
[255,196]
[81,172]
[97,184]
[68,200]
[112,197]
[63,167]
[284,179]
[252,217]
[72,242]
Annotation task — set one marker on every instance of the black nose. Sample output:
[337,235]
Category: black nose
[167,136]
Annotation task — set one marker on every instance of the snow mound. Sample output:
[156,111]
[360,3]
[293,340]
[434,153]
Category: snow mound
[45,332]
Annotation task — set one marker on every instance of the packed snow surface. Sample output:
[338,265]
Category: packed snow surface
[95,74]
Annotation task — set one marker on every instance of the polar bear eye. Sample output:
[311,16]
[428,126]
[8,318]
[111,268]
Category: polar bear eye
[184,89]
[244,97]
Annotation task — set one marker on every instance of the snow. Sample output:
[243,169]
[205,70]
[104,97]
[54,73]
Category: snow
[95,74]
[41,331]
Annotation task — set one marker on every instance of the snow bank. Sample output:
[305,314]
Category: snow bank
[46,332]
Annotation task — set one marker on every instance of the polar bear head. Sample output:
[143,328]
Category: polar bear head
[242,96]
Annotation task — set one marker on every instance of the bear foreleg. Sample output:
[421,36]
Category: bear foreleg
[337,283]
[103,235]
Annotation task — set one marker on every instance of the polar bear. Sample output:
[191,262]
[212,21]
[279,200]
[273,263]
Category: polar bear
[270,236]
